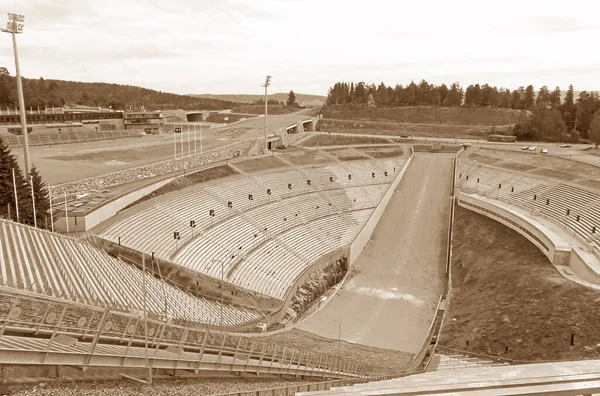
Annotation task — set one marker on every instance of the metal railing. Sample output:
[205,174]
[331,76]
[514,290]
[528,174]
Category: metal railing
[29,316]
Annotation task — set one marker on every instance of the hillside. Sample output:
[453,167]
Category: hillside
[505,292]
[425,115]
[247,98]
[260,109]
[56,93]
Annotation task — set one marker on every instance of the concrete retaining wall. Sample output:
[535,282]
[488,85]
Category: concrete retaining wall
[92,219]
[553,249]
[365,233]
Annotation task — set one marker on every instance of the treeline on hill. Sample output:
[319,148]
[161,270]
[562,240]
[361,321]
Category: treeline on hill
[57,93]
[23,185]
[544,115]
[291,101]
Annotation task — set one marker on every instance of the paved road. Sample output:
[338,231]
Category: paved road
[392,299]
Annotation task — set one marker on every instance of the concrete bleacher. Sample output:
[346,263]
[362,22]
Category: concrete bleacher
[67,137]
[265,242]
[151,230]
[51,264]
[558,201]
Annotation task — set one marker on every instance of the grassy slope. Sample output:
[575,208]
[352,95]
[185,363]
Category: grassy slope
[505,292]
[334,140]
[426,115]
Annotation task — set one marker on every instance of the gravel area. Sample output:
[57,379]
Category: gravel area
[166,387]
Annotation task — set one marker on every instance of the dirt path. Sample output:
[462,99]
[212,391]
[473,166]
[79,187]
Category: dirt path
[390,301]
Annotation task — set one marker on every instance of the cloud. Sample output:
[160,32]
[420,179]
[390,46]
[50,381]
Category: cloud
[229,45]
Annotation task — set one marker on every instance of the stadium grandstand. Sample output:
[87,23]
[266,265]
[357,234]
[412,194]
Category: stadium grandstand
[575,207]
[253,223]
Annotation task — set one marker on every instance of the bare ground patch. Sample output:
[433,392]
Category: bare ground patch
[259,164]
[306,157]
[507,293]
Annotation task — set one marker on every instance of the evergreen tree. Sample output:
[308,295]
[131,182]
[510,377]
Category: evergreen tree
[529,99]
[516,102]
[594,131]
[360,93]
[42,200]
[455,95]
[291,100]
[8,162]
[381,96]
[555,98]
[543,97]
[568,109]
[443,90]
[584,113]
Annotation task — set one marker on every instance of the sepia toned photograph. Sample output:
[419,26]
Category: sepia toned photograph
[311,198]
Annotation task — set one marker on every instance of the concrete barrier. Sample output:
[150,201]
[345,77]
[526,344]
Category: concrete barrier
[549,244]
[97,216]
[365,233]
[584,264]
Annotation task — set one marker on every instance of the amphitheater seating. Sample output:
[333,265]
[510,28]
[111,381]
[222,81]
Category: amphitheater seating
[271,269]
[151,230]
[48,263]
[55,137]
[558,201]
[264,243]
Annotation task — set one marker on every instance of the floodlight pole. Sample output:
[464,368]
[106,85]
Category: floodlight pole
[266,85]
[15,26]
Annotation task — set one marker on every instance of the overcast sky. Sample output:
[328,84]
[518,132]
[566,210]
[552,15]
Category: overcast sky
[228,46]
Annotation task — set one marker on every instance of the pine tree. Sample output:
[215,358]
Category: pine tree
[42,200]
[594,131]
[568,109]
[291,101]
[529,99]
[8,162]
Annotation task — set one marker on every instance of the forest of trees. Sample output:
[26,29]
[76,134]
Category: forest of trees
[24,183]
[56,93]
[545,116]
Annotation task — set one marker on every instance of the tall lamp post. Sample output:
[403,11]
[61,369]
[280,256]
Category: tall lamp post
[14,26]
[266,85]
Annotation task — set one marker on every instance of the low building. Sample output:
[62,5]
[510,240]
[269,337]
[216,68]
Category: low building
[147,121]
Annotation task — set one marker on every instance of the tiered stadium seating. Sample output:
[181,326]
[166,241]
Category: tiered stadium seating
[558,201]
[278,182]
[271,269]
[151,230]
[263,243]
[49,263]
